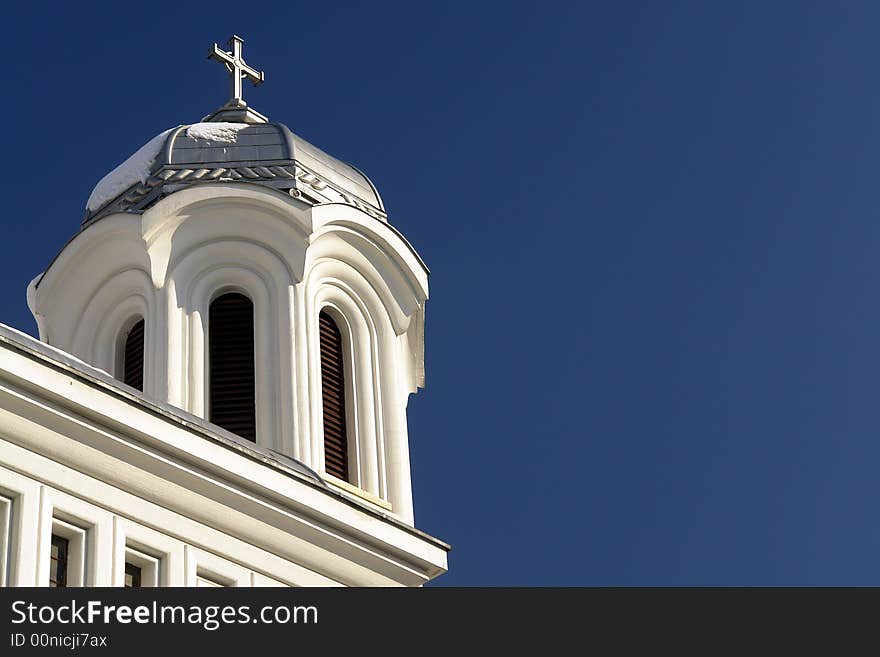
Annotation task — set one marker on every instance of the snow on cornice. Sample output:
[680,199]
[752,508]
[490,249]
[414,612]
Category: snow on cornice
[135,169]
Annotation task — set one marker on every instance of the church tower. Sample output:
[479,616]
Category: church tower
[242,285]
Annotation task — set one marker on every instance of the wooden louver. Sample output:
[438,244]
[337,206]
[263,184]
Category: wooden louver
[231,365]
[133,357]
[333,394]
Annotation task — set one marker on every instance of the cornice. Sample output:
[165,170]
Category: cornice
[288,176]
[130,437]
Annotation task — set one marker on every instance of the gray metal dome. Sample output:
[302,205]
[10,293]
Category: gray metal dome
[266,154]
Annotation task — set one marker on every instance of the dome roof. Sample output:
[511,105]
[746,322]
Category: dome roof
[266,154]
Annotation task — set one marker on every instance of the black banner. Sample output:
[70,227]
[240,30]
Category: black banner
[117,621]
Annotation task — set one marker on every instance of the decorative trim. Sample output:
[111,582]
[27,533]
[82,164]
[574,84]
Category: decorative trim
[336,482]
[291,176]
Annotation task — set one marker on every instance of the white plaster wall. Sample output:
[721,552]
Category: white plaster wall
[78,448]
[293,260]
[179,550]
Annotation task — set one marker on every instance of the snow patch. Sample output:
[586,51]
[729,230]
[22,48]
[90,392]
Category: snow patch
[224,133]
[135,169]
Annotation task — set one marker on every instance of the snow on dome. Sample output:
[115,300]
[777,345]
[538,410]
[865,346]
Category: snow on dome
[225,133]
[231,151]
[135,169]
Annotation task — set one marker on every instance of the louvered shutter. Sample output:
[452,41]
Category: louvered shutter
[133,357]
[333,394]
[231,365]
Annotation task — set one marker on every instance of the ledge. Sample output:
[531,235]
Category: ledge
[358,492]
[273,490]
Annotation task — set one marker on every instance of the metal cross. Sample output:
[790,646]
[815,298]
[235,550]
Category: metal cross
[236,66]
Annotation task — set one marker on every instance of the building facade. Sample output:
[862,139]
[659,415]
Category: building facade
[218,395]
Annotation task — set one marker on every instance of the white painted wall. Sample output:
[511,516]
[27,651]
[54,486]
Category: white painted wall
[293,260]
[38,508]
[83,453]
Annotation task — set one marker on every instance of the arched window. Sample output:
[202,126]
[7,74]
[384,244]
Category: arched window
[231,391]
[333,395]
[133,356]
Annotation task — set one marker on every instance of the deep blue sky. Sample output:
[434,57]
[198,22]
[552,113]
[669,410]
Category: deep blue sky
[653,339]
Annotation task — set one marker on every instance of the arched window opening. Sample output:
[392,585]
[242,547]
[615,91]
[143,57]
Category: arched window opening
[133,356]
[333,395]
[232,397]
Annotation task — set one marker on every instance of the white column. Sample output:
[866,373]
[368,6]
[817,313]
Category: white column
[174,362]
[288,430]
[396,437]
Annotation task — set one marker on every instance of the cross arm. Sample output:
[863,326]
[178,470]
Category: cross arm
[216,52]
[252,74]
